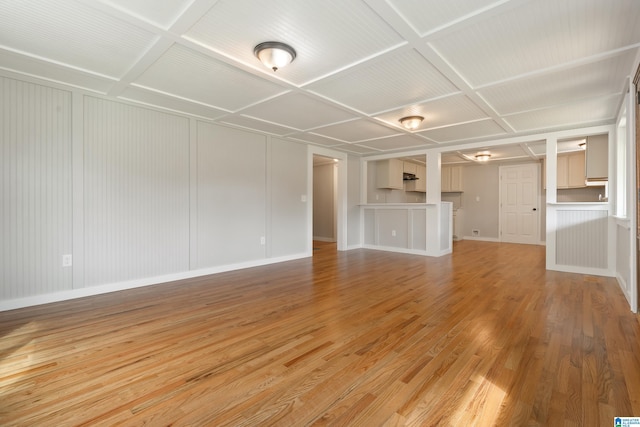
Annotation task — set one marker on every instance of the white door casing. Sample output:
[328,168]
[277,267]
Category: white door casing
[519,212]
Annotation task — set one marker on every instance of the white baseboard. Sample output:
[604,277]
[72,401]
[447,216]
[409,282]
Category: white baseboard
[408,251]
[394,249]
[324,239]
[16,303]
[482,239]
[581,270]
[623,286]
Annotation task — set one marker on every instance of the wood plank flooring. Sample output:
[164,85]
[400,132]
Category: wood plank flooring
[482,337]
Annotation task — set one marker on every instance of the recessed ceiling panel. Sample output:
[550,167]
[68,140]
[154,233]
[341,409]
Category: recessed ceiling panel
[397,142]
[72,33]
[11,61]
[356,148]
[427,15]
[356,130]
[393,81]
[465,131]
[315,139]
[501,152]
[257,125]
[298,111]
[563,146]
[605,77]
[440,112]
[594,111]
[160,12]
[452,158]
[327,35]
[191,75]
[170,103]
[537,35]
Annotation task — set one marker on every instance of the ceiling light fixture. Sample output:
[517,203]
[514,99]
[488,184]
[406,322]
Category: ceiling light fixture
[483,156]
[411,122]
[274,54]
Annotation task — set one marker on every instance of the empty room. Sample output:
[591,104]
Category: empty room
[292,213]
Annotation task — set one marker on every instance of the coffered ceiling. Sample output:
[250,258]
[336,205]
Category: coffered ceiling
[476,70]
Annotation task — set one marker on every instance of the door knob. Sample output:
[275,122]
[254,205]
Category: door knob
[535,209]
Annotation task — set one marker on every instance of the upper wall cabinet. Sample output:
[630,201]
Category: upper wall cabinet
[409,167]
[597,162]
[419,185]
[389,174]
[571,171]
[451,179]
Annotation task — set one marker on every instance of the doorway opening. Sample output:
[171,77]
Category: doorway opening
[325,203]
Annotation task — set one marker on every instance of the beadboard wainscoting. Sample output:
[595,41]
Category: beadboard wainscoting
[101,195]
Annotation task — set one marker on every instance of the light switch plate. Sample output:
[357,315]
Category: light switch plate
[67,260]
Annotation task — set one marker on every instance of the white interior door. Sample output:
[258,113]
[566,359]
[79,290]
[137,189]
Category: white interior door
[519,213]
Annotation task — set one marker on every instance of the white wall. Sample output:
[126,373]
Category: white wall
[137,196]
[287,183]
[231,191]
[353,202]
[625,228]
[136,193]
[482,181]
[35,188]
[480,201]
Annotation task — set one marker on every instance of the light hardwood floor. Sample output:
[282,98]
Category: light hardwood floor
[482,337]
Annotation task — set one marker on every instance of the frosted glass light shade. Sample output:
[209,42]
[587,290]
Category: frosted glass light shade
[411,122]
[274,54]
[483,156]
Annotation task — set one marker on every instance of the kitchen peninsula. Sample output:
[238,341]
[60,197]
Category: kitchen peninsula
[398,216]
[417,228]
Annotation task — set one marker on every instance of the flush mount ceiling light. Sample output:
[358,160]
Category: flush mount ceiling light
[274,54]
[411,122]
[483,156]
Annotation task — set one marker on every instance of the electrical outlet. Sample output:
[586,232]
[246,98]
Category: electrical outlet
[393,233]
[475,232]
[303,198]
[263,241]
[67,260]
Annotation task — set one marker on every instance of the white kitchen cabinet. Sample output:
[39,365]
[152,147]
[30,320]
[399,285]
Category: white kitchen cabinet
[389,174]
[562,177]
[451,179]
[597,160]
[409,167]
[576,172]
[420,184]
[571,171]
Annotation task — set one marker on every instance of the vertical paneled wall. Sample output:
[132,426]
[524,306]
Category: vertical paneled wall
[157,194]
[35,189]
[231,196]
[287,213]
[136,183]
[581,238]
[623,257]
